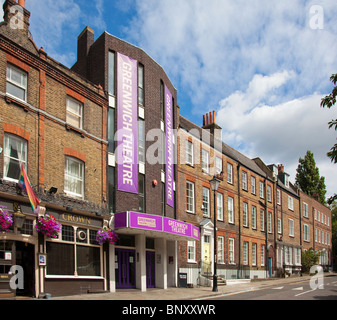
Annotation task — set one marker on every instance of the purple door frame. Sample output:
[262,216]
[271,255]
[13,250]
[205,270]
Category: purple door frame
[150,269]
[126,271]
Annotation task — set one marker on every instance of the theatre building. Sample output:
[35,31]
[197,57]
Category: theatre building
[141,172]
[52,123]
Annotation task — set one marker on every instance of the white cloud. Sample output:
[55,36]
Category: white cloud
[279,133]
[259,63]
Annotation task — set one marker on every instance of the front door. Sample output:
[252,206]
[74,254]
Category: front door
[207,255]
[270,266]
[25,259]
[125,263]
[150,269]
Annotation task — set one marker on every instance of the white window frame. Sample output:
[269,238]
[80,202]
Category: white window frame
[72,113]
[290,203]
[261,190]
[205,160]
[189,153]
[270,226]
[262,217]
[219,205]
[22,85]
[254,217]
[306,232]
[305,210]
[206,202]
[245,214]
[229,173]
[231,251]
[244,181]
[190,194]
[246,253]
[218,165]
[254,251]
[67,175]
[191,251]
[9,140]
[230,210]
[269,193]
[278,196]
[221,250]
[279,225]
[253,185]
[263,251]
[291,228]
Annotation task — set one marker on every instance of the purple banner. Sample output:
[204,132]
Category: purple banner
[146,221]
[169,148]
[127,125]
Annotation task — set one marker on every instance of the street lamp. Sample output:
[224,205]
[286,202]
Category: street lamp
[214,186]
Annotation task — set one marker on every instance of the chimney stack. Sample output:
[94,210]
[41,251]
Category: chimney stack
[280,168]
[211,125]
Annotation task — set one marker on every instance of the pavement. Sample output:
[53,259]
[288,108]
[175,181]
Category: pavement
[196,293]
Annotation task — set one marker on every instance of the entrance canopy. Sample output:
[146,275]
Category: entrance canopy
[156,226]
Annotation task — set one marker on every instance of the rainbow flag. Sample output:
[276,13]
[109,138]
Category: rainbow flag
[24,184]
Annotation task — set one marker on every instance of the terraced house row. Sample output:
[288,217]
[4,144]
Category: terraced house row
[105,148]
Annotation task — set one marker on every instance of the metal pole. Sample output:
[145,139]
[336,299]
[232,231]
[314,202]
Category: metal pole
[215,278]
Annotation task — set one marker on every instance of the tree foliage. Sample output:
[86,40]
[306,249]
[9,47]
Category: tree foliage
[308,178]
[309,259]
[329,101]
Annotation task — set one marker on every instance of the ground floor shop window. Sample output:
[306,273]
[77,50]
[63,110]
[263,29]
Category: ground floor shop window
[78,255]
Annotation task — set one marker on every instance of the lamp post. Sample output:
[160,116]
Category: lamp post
[214,186]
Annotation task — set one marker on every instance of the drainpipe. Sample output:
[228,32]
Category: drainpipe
[239,196]
[266,225]
[300,212]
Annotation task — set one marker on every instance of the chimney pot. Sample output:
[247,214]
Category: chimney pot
[203,121]
[22,3]
[207,119]
[213,116]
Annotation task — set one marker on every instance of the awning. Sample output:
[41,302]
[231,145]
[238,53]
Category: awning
[157,226]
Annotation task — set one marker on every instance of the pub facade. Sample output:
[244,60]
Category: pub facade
[52,135]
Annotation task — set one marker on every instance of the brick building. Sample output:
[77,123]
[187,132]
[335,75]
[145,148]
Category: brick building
[53,123]
[99,145]
[244,206]
[142,116]
[316,228]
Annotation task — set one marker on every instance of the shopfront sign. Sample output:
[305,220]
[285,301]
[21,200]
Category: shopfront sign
[142,221]
[127,125]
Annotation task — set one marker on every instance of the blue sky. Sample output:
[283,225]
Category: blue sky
[263,65]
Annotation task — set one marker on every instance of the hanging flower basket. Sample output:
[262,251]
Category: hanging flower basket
[6,219]
[48,226]
[106,235]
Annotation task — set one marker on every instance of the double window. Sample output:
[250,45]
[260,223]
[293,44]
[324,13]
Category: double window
[82,252]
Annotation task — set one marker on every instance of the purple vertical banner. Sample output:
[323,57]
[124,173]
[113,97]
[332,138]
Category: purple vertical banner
[169,148]
[127,124]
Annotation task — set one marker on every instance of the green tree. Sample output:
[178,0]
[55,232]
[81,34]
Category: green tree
[308,178]
[329,101]
[309,259]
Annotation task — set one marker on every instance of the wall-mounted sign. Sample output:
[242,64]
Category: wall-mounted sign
[145,221]
[127,124]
